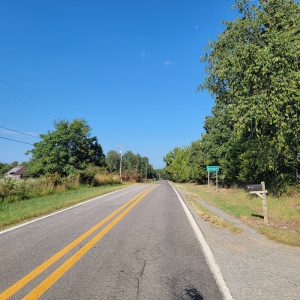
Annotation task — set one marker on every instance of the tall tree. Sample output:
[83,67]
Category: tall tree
[254,73]
[136,166]
[66,149]
[178,164]
[113,161]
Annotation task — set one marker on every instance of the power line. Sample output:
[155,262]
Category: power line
[21,132]
[18,90]
[20,101]
[12,95]
[9,103]
[42,105]
[18,141]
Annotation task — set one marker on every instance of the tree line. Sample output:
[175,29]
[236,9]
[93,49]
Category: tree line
[253,73]
[133,165]
[70,149]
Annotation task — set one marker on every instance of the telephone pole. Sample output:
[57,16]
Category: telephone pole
[120,150]
[146,170]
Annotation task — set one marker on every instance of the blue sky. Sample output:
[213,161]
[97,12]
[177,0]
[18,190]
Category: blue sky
[130,68]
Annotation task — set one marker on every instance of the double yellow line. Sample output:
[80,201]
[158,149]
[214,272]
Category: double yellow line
[53,277]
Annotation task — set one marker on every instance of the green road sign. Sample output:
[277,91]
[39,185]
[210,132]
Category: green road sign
[212,168]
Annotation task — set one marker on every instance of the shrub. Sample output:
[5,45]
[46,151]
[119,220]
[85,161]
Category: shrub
[16,190]
[20,191]
[6,186]
[42,186]
[132,176]
[72,181]
[87,175]
[103,179]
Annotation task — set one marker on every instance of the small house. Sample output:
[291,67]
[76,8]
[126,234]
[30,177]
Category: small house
[15,173]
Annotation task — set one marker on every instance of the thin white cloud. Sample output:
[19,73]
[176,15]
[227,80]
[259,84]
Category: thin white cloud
[168,63]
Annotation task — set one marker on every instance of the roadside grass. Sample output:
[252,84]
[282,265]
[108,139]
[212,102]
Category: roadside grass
[206,214]
[289,237]
[16,212]
[283,212]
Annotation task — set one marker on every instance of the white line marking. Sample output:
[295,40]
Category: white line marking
[62,210]
[209,257]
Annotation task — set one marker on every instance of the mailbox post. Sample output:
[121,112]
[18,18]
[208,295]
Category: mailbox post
[260,191]
[264,199]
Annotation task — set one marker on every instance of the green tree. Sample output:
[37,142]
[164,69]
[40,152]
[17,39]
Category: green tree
[178,164]
[254,74]
[137,167]
[113,161]
[66,149]
[130,162]
[198,162]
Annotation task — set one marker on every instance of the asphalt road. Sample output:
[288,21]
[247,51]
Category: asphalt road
[104,249]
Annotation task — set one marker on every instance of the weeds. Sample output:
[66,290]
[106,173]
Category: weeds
[12,213]
[17,190]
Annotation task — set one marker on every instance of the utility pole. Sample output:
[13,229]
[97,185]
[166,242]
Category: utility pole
[120,150]
[146,170]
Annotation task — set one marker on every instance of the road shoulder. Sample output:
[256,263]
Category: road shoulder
[252,266]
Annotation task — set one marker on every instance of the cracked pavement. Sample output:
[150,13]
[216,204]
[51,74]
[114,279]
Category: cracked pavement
[152,253]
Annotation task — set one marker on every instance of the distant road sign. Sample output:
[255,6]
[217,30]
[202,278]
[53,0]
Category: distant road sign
[254,188]
[212,168]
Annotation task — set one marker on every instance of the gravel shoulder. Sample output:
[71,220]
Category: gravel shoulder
[252,266]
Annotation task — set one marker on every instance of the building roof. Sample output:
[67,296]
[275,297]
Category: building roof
[16,171]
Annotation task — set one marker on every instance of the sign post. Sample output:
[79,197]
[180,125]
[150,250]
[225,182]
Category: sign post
[260,191]
[213,169]
[208,180]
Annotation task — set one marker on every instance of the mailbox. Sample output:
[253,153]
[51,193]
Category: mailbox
[260,191]
[254,188]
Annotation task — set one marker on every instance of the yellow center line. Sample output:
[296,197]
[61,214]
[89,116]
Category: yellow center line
[45,265]
[39,290]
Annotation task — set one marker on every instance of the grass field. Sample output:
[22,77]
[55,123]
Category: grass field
[12,213]
[283,212]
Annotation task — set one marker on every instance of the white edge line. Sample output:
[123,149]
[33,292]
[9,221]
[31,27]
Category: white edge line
[62,210]
[209,257]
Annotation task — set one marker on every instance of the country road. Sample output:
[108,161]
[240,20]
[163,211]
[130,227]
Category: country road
[136,243]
